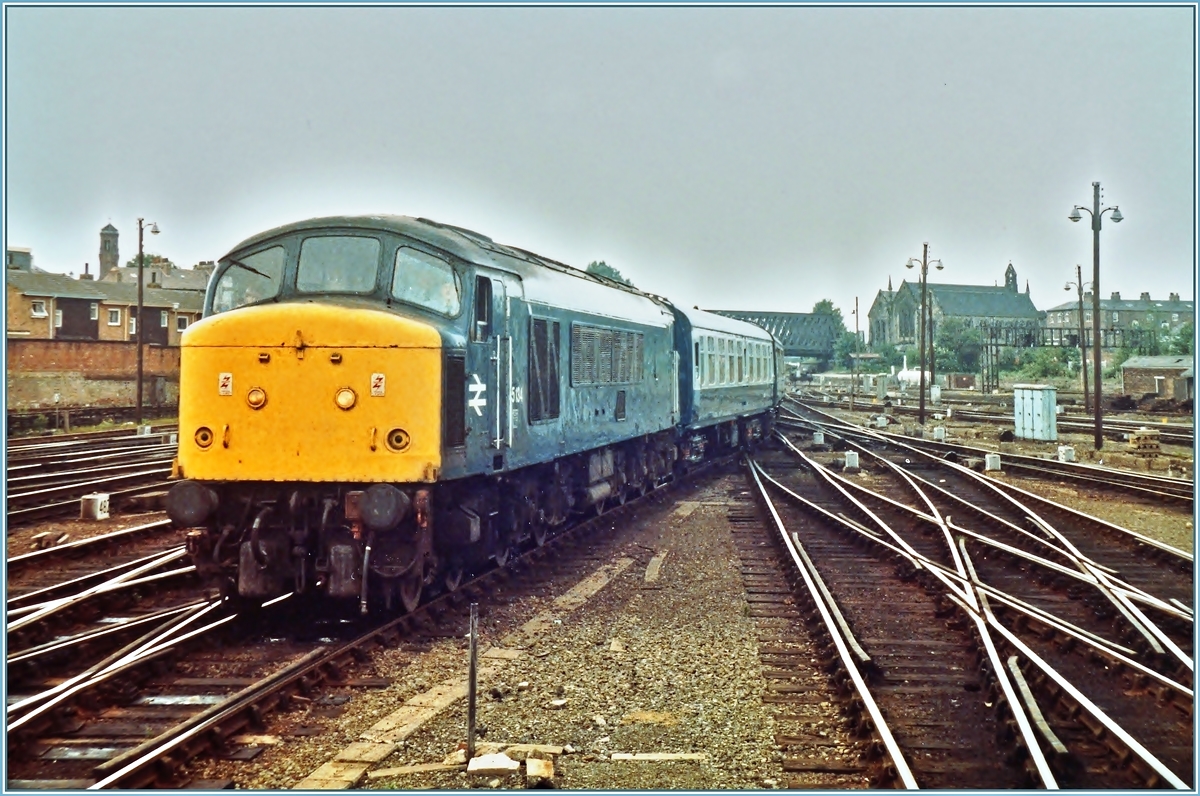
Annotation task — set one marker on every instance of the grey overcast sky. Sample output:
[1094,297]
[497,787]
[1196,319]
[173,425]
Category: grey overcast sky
[729,157]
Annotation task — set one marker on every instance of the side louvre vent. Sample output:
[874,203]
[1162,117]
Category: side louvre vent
[454,408]
[605,356]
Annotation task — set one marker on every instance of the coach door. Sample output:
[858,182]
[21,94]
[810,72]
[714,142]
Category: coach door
[489,374]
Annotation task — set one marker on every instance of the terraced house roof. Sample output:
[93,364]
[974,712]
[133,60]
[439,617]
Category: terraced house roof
[1129,305]
[44,283]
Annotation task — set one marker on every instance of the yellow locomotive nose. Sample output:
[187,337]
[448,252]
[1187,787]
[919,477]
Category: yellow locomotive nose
[382,371]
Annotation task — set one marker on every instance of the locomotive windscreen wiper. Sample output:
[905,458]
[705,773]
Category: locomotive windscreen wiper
[241,264]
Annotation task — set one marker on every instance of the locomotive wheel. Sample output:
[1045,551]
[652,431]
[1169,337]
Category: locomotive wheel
[454,578]
[538,532]
[600,506]
[410,592]
[501,556]
[622,495]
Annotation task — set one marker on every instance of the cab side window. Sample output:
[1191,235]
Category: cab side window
[481,326]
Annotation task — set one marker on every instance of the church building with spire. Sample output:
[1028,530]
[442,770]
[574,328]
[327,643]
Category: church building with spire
[894,317]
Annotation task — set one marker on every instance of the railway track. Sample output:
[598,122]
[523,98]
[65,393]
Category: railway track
[47,477]
[1146,485]
[988,664]
[1173,429]
[192,685]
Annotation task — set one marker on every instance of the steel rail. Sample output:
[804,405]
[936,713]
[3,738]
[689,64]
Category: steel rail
[67,506]
[67,548]
[1153,635]
[85,484]
[907,444]
[55,606]
[32,481]
[899,764]
[1154,486]
[1143,484]
[124,625]
[99,674]
[947,577]
[129,769]
[1111,726]
[1119,587]
[15,605]
[1114,652]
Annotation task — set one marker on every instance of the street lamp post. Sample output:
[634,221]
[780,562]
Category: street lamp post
[137,327]
[1078,283]
[924,262]
[1096,215]
[854,358]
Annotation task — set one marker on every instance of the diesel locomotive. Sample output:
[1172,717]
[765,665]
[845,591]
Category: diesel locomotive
[373,406]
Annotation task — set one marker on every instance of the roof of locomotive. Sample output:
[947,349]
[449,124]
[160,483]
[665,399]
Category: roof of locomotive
[545,281]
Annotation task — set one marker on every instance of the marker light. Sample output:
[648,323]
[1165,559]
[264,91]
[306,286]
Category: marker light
[345,398]
[257,398]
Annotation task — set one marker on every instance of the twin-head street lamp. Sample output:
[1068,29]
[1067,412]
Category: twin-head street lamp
[1080,284]
[137,326]
[1096,215]
[924,262]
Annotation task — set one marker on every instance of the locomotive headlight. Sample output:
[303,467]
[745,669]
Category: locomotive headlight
[345,398]
[204,437]
[257,398]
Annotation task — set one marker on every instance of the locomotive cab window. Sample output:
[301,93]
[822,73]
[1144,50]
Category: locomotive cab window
[338,264]
[426,281]
[249,279]
[481,327]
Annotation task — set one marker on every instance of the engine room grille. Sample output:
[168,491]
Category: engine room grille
[605,356]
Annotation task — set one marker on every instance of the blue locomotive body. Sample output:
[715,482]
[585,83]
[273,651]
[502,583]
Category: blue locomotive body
[532,391]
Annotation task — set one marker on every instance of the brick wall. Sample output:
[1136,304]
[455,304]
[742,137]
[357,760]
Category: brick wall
[1139,381]
[88,373]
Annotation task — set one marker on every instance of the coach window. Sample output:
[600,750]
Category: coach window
[710,373]
[338,264]
[248,279]
[481,327]
[426,281]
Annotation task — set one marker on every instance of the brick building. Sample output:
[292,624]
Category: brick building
[55,306]
[1125,314]
[51,306]
[1163,376]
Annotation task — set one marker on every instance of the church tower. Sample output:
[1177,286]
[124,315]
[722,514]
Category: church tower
[1010,278]
[109,258]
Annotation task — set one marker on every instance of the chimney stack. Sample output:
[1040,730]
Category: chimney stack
[1145,297]
[85,276]
[1116,296]
[1174,297]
